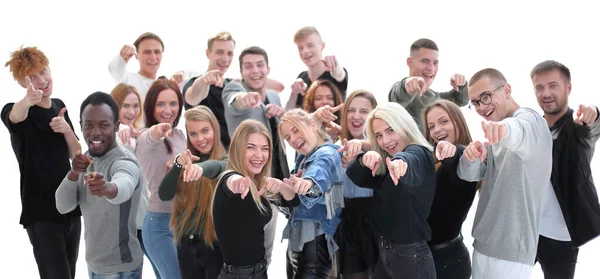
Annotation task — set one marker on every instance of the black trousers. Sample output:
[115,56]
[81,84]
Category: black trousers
[257,271]
[55,247]
[452,259]
[557,258]
[312,263]
[197,260]
[407,261]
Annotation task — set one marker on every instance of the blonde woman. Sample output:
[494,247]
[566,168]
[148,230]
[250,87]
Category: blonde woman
[241,204]
[191,181]
[318,181]
[400,170]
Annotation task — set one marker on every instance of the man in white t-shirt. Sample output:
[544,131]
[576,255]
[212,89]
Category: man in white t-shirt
[571,213]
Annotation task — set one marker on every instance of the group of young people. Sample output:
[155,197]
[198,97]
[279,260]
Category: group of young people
[377,190]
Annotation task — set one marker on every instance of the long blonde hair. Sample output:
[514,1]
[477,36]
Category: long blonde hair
[236,161]
[197,194]
[401,122]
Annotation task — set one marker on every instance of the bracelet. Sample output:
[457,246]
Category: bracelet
[175,161]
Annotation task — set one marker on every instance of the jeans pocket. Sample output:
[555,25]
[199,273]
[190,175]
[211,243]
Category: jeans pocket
[401,264]
[427,266]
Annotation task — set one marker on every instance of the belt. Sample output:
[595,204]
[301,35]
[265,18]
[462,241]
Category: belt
[446,244]
[260,266]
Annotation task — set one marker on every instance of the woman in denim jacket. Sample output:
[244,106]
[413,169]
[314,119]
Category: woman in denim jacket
[317,179]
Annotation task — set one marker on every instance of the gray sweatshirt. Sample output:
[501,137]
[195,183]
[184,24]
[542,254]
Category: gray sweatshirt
[111,243]
[516,178]
[415,104]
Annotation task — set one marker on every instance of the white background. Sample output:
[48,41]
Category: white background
[371,40]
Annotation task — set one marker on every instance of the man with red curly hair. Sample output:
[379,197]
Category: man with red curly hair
[43,140]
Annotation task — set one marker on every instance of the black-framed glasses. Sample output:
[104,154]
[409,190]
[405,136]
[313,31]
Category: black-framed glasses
[485,98]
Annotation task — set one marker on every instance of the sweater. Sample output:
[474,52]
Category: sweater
[400,211]
[111,243]
[516,178]
[153,157]
[415,104]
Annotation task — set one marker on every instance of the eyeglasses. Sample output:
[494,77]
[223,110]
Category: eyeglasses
[486,98]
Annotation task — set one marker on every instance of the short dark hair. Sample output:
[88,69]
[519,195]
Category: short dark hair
[423,43]
[100,98]
[550,65]
[254,50]
[490,73]
[146,36]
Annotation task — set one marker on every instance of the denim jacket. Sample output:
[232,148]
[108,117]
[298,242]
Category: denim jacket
[324,167]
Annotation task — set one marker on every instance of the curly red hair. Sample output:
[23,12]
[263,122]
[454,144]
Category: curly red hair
[26,61]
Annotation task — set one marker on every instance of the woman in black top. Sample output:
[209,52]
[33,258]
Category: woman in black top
[448,131]
[400,170]
[192,185]
[241,206]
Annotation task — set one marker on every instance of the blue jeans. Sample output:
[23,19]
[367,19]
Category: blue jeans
[408,261]
[158,241]
[135,274]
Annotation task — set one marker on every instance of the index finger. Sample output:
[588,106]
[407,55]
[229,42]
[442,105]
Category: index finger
[335,109]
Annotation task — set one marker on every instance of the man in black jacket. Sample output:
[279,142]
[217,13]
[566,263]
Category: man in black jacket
[571,213]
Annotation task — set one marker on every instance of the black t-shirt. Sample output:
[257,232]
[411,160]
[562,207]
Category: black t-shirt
[43,158]
[452,201]
[239,225]
[215,103]
[276,170]
[342,86]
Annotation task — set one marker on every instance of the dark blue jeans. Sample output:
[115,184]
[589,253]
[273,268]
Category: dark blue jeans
[452,261]
[407,261]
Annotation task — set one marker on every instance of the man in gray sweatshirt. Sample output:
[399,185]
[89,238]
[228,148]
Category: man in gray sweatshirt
[515,162]
[105,182]
[413,92]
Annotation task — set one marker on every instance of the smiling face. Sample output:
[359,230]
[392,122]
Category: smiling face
[303,139]
[424,63]
[257,153]
[552,92]
[498,108]
[130,109]
[357,113]
[221,55]
[201,135]
[167,106]
[440,126]
[310,49]
[99,130]
[41,80]
[323,96]
[149,54]
[387,138]
[255,71]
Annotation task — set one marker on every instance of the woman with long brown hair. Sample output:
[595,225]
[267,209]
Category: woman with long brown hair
[447,130]
[191,181]
[241,203]
[157,145]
